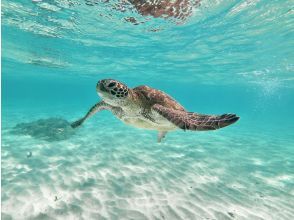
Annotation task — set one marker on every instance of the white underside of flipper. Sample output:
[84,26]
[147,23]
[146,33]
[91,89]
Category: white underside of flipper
[161,135]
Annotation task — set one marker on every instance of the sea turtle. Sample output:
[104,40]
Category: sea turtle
[149,108]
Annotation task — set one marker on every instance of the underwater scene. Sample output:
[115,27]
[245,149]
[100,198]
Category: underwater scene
[154,154]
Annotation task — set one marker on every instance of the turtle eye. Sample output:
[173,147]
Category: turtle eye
[111,84]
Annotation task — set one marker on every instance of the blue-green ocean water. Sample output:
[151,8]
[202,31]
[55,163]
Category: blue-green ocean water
[227,57]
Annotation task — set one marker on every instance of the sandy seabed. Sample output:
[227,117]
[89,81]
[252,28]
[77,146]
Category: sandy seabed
[106,170]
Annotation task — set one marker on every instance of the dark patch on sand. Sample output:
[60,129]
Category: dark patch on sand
[50,129]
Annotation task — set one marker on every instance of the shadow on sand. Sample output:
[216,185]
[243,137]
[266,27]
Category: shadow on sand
[50,129]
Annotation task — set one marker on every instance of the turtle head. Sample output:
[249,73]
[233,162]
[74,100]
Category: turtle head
[112,91]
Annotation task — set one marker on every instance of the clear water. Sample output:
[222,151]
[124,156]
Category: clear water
[229,56]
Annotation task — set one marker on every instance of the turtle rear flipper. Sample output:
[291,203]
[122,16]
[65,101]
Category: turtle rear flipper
[193,121]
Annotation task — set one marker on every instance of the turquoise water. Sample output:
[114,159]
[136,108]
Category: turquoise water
[226,57]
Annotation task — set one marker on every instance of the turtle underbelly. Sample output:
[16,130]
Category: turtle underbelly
[141,122]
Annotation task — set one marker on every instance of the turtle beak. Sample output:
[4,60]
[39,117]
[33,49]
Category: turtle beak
[100,81]
[100,86]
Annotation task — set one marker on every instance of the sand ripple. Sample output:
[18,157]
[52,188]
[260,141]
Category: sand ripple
[123,173]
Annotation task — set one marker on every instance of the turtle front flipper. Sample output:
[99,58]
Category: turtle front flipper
[96,108]
[77,123]
[193,121]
